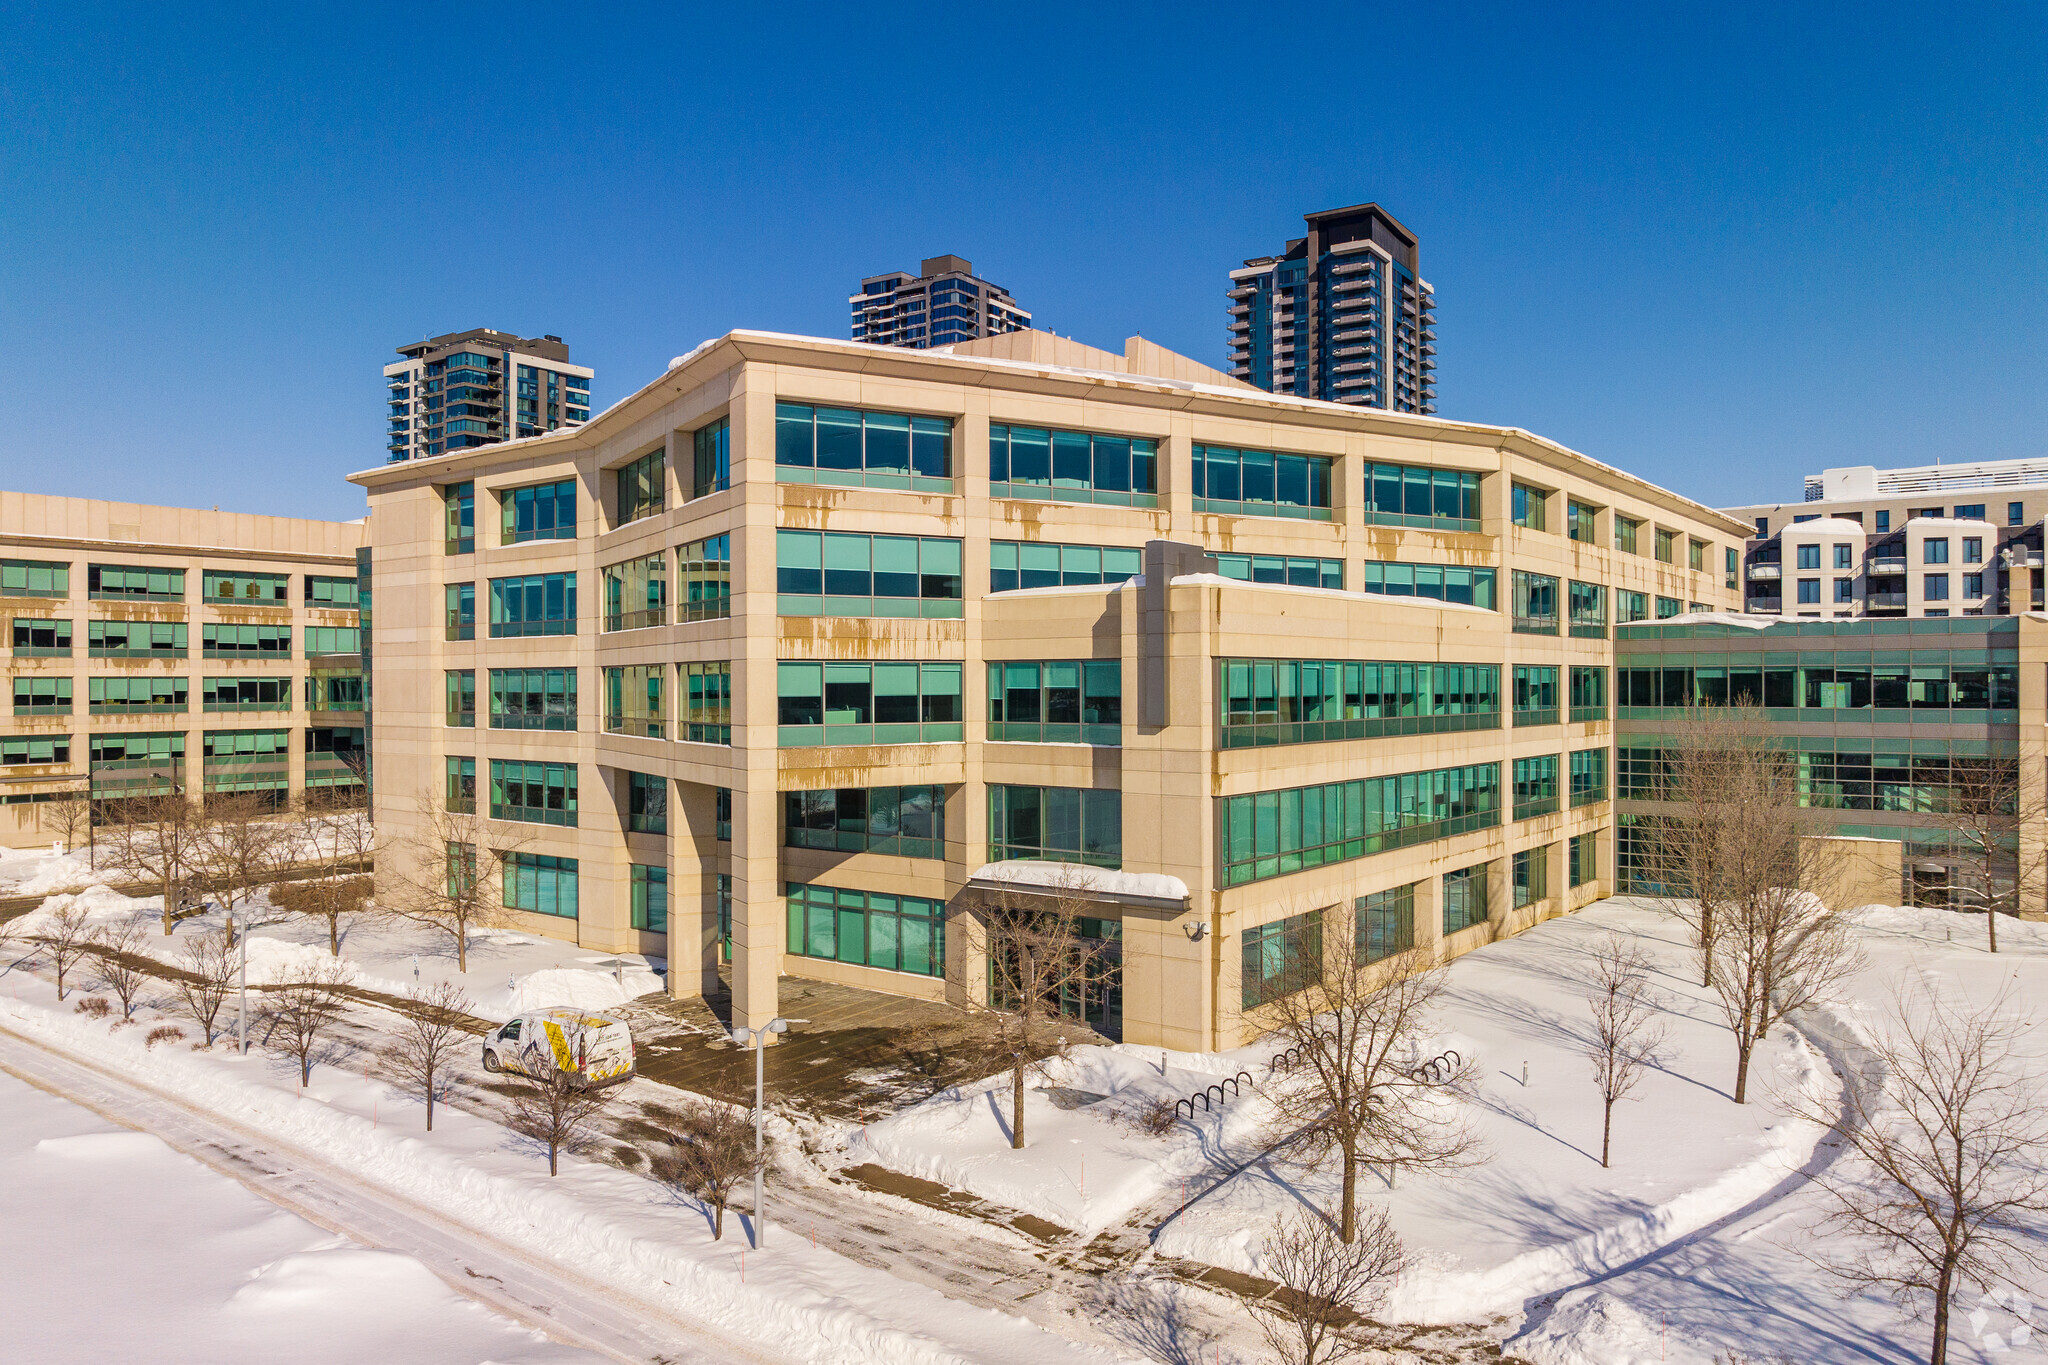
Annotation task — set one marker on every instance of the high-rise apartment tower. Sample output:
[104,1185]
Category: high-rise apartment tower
[944,303]
[477,387]
[1341,315]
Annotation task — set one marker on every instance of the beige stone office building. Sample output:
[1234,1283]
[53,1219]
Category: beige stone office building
[782,658]
[153,646]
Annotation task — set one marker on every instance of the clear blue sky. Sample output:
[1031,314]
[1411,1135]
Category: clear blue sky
[1717,247]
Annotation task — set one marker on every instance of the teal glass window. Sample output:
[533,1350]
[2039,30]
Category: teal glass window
[140,695]
[17,750]
[533,699]
[909,822]
[458,504]
[1631,606]
[1298,571]
[711,459]
[1588,692]
[334,692]
[646,803]
[1261,483]
[1535,786]
[246,761]
[1280,958]
[1063,701]
[42,696]
[704,579]
[460,794]
[265,589]
[1535,694]
[1579,860]
[707,702]
[1072,466]
[1532,876]
[333,594]
[1438,582]
[635,701]
[1271,834]
[460,692]
[35,639]
[34,578]
[1016,564]
[545,511]
[459,611]
[1308,701]
[1926,681]
[868,928]
[636,593]
[1587,603]
[133,764]
[540,883]
[324,640]
[536,793]
[1535,603]
[650,897]
[123,583]
[244,642]
[245,694]
[831,573]
[1531,508]
[853,448]
[868,703]
[1386,923]
[142,640]
[1588,775]
[1464,898]
[1056,825]
[1434,499]
[642,486]
[537,604]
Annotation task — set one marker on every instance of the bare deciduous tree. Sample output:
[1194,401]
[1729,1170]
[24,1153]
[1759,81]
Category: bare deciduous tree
[1987,807]
[208,965]
[430,1034]
[304,1011]
[1038,959]
[118,960]
[242,847]
[448,873]
[70,819]
[1326,1284]
[709,1154]
[1947,1132]
[1358,1032]
[156,839]
[1627,1033]
[1739,844]
[69,938]
[557,1110]
[332,900]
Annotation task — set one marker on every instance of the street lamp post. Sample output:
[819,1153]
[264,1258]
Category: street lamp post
[757,1038]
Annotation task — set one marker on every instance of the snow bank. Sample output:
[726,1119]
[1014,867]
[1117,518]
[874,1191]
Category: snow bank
[1080,877]
[1588,1327]
[799,1302]
[587,990]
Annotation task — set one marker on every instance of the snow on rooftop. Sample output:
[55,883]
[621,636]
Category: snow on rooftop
[1713,618]
[1080,877]
[1218,580]
[1827,526]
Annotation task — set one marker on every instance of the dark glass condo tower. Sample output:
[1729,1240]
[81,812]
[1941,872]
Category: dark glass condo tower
[1341,315]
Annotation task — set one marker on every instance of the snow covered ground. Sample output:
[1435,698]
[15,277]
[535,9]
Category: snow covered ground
[1700,1188]
[792,1301]
[1536,1216]
[118,1248]
[509,972]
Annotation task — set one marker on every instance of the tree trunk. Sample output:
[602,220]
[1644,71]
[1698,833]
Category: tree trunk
[1937,1354]
[430,1104]
[1606,1131]
[1742,1051]
[462,947]
[334,935]
[718,1221]
[553,1147]
[1347,1221]
[1991,921]
[1017,1099]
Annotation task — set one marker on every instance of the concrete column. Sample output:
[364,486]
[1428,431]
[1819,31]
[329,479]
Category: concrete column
[693,891]
[1557,882]
[1429,917]
[1500,893]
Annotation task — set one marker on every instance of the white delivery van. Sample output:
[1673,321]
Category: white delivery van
[596,1049]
